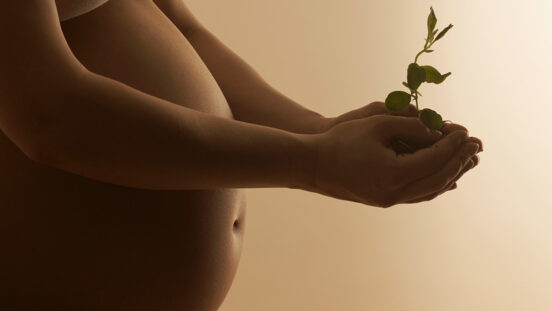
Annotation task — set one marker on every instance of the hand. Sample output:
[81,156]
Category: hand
[372,109]
[378,108]
[356,163]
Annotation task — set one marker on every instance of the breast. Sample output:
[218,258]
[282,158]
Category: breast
[134,42]
[68,9]
[78,244]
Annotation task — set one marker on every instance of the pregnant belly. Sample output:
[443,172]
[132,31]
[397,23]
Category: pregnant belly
[74,243]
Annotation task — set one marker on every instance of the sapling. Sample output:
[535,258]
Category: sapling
[396,101]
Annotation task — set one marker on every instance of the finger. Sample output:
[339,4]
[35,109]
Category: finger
[380,108]
[450,186]
[409,111]
[442,177]
[471,164]
[475,160]
[450,127]
[366,111]
[468,167]
[375,108]
[477,141]
[427,161]
[406,129]
[453,183]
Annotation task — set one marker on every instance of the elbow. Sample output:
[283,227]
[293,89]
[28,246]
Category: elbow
[27,145]
[35,154]
[25,140]
[32,106]
[47,145]
[36,127]
[34,148]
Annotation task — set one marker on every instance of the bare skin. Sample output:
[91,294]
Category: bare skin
[127,132]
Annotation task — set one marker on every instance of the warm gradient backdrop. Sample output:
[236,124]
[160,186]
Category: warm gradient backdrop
[486,245]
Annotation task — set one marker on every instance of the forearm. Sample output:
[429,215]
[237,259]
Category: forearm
[250,97]
[107,131]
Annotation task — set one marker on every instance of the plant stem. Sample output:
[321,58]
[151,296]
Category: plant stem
[420,53]
[415,95]
[417,55]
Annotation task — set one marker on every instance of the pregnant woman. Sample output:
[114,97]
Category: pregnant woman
[127,131]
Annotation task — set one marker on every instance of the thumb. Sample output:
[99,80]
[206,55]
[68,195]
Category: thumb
[366,111]
[408,129]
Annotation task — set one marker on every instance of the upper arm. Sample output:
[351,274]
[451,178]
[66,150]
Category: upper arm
[37,66]
[179,14]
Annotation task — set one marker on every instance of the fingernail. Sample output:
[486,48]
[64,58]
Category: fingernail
[437,132]
[472,148]
[477,141]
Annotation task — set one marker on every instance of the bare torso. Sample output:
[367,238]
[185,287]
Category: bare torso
[80,244]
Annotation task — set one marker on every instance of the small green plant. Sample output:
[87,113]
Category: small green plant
[416,75]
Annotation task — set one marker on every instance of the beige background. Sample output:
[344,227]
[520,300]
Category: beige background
[486,245]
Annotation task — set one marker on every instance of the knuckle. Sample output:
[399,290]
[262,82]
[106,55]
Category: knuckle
[371,107]
[375,108]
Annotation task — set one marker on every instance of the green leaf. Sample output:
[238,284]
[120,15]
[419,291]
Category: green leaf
[434,76]
[443,32]
[431,22]
[397,101]
[415,76]
[431,119]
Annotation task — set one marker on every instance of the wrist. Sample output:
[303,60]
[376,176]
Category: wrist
[320,124]
[303,162]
